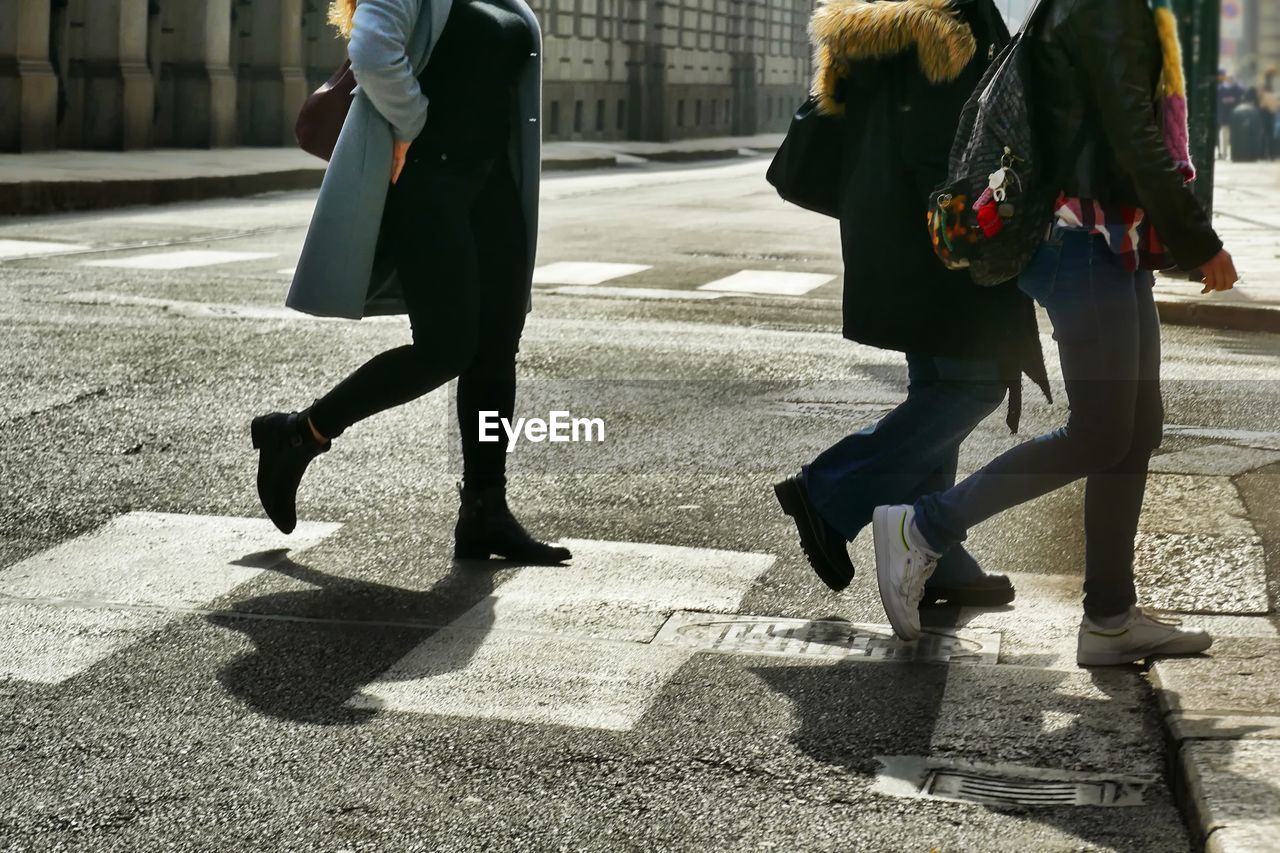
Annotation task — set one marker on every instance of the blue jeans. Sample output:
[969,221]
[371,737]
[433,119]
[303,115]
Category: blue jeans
[913,450]
[1108,334]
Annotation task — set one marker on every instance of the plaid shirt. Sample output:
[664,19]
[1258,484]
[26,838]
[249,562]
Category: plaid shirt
[1125,229]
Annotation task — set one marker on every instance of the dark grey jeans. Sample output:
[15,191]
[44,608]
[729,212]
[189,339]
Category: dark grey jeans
[1108,334]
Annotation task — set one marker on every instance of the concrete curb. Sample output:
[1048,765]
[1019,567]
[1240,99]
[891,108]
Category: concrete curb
[1235,317]
[40,197]
[33,198]
[1223,739]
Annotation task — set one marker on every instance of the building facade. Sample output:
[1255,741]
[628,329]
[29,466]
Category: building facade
[129,74]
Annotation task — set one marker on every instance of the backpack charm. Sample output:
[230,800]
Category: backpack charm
[995,162]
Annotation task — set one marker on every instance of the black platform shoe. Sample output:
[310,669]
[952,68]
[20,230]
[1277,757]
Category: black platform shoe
[486,528]
[825,548]
[285,447]
[982,591]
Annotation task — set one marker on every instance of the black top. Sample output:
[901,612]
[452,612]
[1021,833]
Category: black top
[470,78]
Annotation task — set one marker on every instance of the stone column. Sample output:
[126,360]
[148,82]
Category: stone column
[746,93]
[118,89]
[196,73]
[273,84]
[28,87]
[646,71]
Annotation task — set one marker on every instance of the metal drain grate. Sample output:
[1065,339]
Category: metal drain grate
[763,635]
[1005,785]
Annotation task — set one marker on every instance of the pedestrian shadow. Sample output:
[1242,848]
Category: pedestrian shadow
[850,712]
[315,648]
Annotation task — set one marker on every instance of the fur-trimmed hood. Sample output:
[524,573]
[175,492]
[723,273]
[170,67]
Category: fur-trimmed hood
[844,31]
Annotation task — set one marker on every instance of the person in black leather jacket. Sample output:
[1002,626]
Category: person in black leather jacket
[1100,93]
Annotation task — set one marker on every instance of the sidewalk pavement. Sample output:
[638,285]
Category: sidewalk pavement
[45,182]
[1247,216]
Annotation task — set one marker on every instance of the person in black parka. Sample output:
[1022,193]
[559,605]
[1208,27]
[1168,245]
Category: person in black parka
[898,73]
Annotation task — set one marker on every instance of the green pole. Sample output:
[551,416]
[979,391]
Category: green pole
[1200,24]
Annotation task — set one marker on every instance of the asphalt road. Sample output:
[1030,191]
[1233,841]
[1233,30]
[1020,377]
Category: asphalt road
[173,681]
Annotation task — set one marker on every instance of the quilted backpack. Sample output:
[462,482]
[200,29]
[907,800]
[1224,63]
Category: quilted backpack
[994,210]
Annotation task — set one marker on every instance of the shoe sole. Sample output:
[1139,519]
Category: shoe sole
[477,555]
[1123,658]
[963,596]
[882,528]
[794,505]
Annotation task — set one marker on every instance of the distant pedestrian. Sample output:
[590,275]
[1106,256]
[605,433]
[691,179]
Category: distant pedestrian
[1269,104]
[1122,164]
[433,214]
[898,75]
[1230,95]
[1248,132]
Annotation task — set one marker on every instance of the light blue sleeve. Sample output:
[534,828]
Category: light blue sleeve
[380,62]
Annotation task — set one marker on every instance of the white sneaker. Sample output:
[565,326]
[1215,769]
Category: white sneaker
[901,569]
[1143,634]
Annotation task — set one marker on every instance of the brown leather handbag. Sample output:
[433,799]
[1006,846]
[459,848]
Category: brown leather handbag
[321,117]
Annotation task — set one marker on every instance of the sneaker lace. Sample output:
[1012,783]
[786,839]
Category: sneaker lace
[914,578]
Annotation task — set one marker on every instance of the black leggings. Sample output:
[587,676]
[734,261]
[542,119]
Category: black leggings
[457,234]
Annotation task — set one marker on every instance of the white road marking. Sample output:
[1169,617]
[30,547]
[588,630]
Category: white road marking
[1242,437]
[769,282]
[35,248]
[582,273]
[289,271]
[1215,459]
[568,646]
[637,293]
[186,259]
[69,607]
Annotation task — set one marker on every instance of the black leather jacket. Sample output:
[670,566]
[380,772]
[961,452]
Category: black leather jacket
[1097,66]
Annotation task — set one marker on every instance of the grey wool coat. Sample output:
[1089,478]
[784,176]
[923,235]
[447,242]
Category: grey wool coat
[341,273]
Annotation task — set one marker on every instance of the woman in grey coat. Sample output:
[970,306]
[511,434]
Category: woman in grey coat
[429,207]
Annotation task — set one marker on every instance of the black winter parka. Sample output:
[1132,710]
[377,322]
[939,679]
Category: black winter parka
[899,72]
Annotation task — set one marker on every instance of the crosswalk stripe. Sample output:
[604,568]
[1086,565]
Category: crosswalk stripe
[36,248]
[568,646]
[79,602]
[637,293]
[584,273]
[1215,459]
[185,259]
[769,282]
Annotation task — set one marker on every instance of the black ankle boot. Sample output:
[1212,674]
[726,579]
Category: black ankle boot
[486,528]
[285,447]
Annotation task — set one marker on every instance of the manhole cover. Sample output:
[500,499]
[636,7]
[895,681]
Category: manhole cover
[764,635]
[1005,785]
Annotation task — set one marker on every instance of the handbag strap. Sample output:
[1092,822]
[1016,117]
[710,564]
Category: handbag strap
[1033,17]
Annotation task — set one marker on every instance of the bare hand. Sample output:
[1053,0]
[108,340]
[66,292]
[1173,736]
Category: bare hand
[1220,273]
[399,150]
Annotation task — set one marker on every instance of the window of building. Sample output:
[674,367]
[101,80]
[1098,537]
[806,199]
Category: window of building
[600,116]
[555,118]
[622,114]
[577,116]
[680,113]
[697,113]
